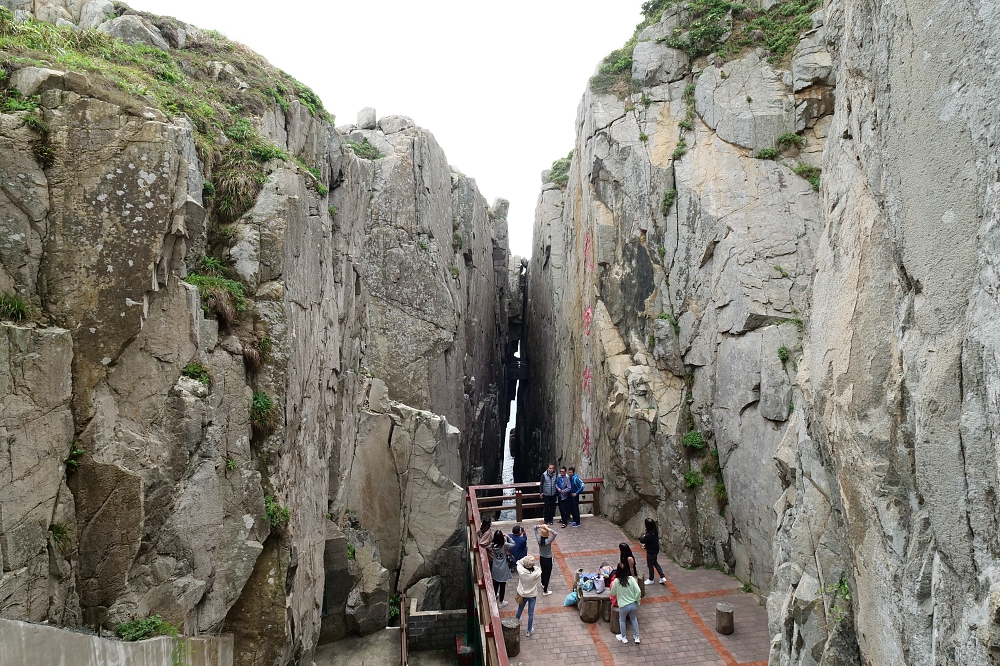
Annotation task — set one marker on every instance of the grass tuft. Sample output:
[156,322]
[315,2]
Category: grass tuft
[264,415]
[14,308]
[220,296]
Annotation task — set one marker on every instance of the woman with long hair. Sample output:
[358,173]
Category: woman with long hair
[627,559]
[651,542]
[485,535]
[499,569]
[626,588]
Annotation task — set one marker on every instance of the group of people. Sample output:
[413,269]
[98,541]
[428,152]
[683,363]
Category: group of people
[509,553]
[562,490]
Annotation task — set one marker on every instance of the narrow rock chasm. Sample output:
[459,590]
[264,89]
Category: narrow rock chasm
[250,360]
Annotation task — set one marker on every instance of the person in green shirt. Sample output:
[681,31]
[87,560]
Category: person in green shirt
[626,588]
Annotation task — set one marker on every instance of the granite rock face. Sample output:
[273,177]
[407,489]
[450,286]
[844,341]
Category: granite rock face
[436,270]
[665,305]
[899,442]
[836,350]
[150,476]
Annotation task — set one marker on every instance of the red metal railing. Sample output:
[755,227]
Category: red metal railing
[481,498]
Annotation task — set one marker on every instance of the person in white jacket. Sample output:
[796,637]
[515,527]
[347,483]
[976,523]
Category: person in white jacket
[528,576]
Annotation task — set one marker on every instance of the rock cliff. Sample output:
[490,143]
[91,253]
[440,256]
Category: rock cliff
[665,296]
[202,280]
[792,372]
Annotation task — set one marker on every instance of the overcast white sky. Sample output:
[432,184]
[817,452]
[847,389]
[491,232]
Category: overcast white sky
[498,83]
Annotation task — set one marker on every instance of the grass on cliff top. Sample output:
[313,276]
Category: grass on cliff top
[193,81]
[703,27]
[707,22]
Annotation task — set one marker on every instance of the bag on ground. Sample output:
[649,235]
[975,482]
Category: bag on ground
[570,599]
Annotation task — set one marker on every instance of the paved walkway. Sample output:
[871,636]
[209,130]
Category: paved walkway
[676,620]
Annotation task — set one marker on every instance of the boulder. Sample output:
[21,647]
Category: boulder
[36,80]
[367,118]
[427,593]
[133,29]
[812,64]
[745,102]
[95,12]
[393,124]
[654,63]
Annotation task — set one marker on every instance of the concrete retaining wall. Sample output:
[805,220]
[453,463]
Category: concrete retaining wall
[434,630]
[23,644]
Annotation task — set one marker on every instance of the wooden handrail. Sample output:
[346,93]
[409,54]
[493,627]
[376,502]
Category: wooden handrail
[490,629]
[404,657]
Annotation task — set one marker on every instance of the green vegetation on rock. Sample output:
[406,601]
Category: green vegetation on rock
[668,201]
[693,479]
[143,628]
[221,296]
[263,414]
[810,173]
[708,22]
[559,174]
[14,308]
[197,372]
[365,150]
[694,440]
[136,76]
[277,514]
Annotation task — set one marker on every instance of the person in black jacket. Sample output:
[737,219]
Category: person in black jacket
[548,491]
[651,542]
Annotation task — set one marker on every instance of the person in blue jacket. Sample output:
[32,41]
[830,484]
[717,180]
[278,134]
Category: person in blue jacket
[563,486]
[576,487]
[520,548]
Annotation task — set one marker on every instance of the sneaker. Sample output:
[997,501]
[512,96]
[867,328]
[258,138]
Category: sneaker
[622,638]
[649,581]
[529,632]
[576,524]
[503,603]
[547,592]
[663,581]
[636,639]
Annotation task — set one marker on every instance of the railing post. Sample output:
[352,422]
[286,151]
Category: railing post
[518,501]
[597,499]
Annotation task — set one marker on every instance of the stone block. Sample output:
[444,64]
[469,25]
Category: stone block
[367,118]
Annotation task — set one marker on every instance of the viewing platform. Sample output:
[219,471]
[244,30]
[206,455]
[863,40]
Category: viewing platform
[676,620]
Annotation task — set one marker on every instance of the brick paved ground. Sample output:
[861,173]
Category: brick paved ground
[676,620]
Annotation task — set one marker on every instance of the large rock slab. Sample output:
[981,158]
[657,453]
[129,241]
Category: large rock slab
[133,29]
[745,101]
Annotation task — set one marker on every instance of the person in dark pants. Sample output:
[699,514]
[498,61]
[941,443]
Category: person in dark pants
[544,536]
[575,488]
[651,542]
[548,491]
[563,484]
